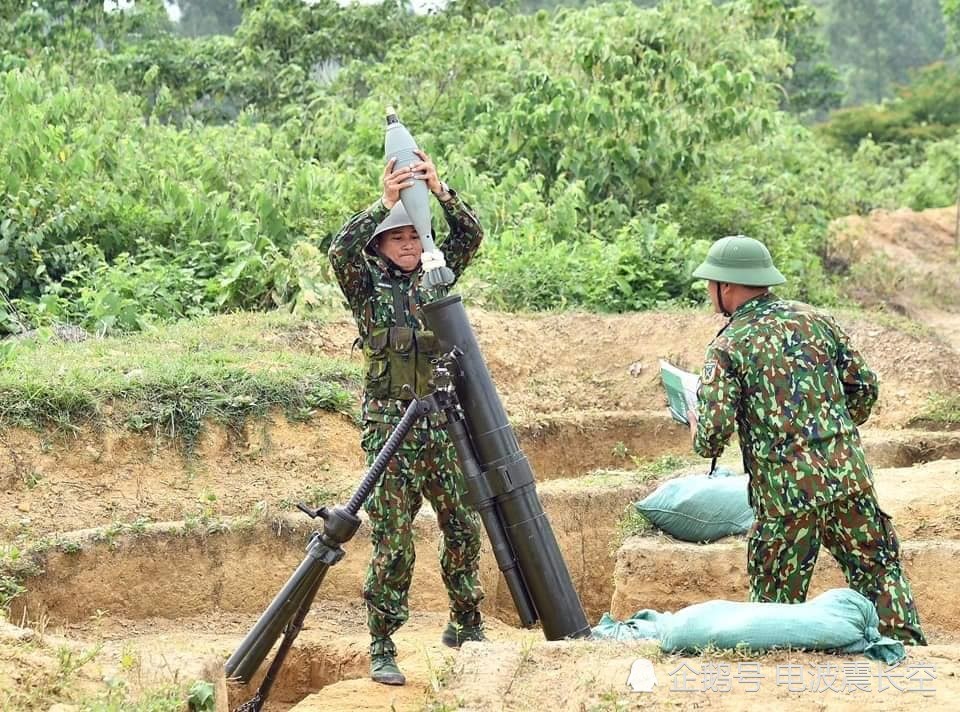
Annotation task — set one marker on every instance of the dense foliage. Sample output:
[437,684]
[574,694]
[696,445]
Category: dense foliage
[951,16]
[854,51]
[147,176]
[926,109]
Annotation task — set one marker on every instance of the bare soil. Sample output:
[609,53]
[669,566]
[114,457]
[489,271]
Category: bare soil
[905,262]
[582,391]
[163,558]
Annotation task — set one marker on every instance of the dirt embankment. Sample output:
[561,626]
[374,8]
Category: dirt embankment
[584,393]
[905,262]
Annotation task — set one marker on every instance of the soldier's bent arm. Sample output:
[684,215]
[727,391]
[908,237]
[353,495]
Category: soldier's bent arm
[860,383]
[465,236]
[717,403]
[347,252]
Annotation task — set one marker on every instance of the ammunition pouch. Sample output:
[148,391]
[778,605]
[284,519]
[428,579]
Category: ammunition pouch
[399,356]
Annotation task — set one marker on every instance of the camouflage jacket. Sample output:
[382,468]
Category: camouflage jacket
[369,283]
[786,377]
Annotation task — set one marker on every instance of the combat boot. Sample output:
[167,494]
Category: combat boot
[462,628]
[383,663]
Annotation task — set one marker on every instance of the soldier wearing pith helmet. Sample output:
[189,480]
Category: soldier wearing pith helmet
[785,376]
[377,258]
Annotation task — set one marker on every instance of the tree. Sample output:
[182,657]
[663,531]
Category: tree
[951,17]
[207,17]
[74,31]
[923,111]
[875,43]
[813,87]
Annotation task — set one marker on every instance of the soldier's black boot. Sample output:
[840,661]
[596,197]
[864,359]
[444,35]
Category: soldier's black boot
[383,663]
[462,628]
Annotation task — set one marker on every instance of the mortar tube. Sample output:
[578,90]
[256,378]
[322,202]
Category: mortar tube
[508,476]
[479,497]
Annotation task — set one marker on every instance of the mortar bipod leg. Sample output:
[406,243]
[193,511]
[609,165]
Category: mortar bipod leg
[289,607]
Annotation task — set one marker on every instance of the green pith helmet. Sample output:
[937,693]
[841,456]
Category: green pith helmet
[739,260]
[397,217]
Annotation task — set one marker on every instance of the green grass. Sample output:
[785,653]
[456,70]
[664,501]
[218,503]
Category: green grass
[648,470]
[942,408]
[891,320]
[312,495]
[16,564]
[43,686]
[222,368]
[165,699]
[631,523]
[643,472]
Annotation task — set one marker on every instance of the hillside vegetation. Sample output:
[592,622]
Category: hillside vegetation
[147,176]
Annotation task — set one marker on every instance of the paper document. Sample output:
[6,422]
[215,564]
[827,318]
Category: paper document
[681,387]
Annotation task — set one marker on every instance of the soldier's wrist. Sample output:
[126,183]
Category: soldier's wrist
[377,210]
[444,195]
[387,203]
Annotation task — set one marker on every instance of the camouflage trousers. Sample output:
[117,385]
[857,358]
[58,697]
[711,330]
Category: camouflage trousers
[424,467]
[781,553]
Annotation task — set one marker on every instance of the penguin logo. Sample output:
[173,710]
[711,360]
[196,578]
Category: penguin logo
[642,677]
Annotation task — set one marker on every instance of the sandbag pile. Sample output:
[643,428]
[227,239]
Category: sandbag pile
[700,508]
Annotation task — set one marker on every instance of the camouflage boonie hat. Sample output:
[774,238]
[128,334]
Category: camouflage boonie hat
[739,260]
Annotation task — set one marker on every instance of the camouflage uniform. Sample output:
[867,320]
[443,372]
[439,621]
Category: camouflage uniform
[786,377]
[382,296]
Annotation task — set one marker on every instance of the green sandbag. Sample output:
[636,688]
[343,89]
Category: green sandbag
[643,625]
[840,619]
[700,507]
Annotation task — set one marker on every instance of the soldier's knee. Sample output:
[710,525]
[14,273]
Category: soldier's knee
[463,526]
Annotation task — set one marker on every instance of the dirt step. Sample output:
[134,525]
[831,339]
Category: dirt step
[902,448]
[181,569]
[661,573]
[580,675]
[570,445]
[337,664]
[96,477]
[176,569]
[516,670]
[922,499]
